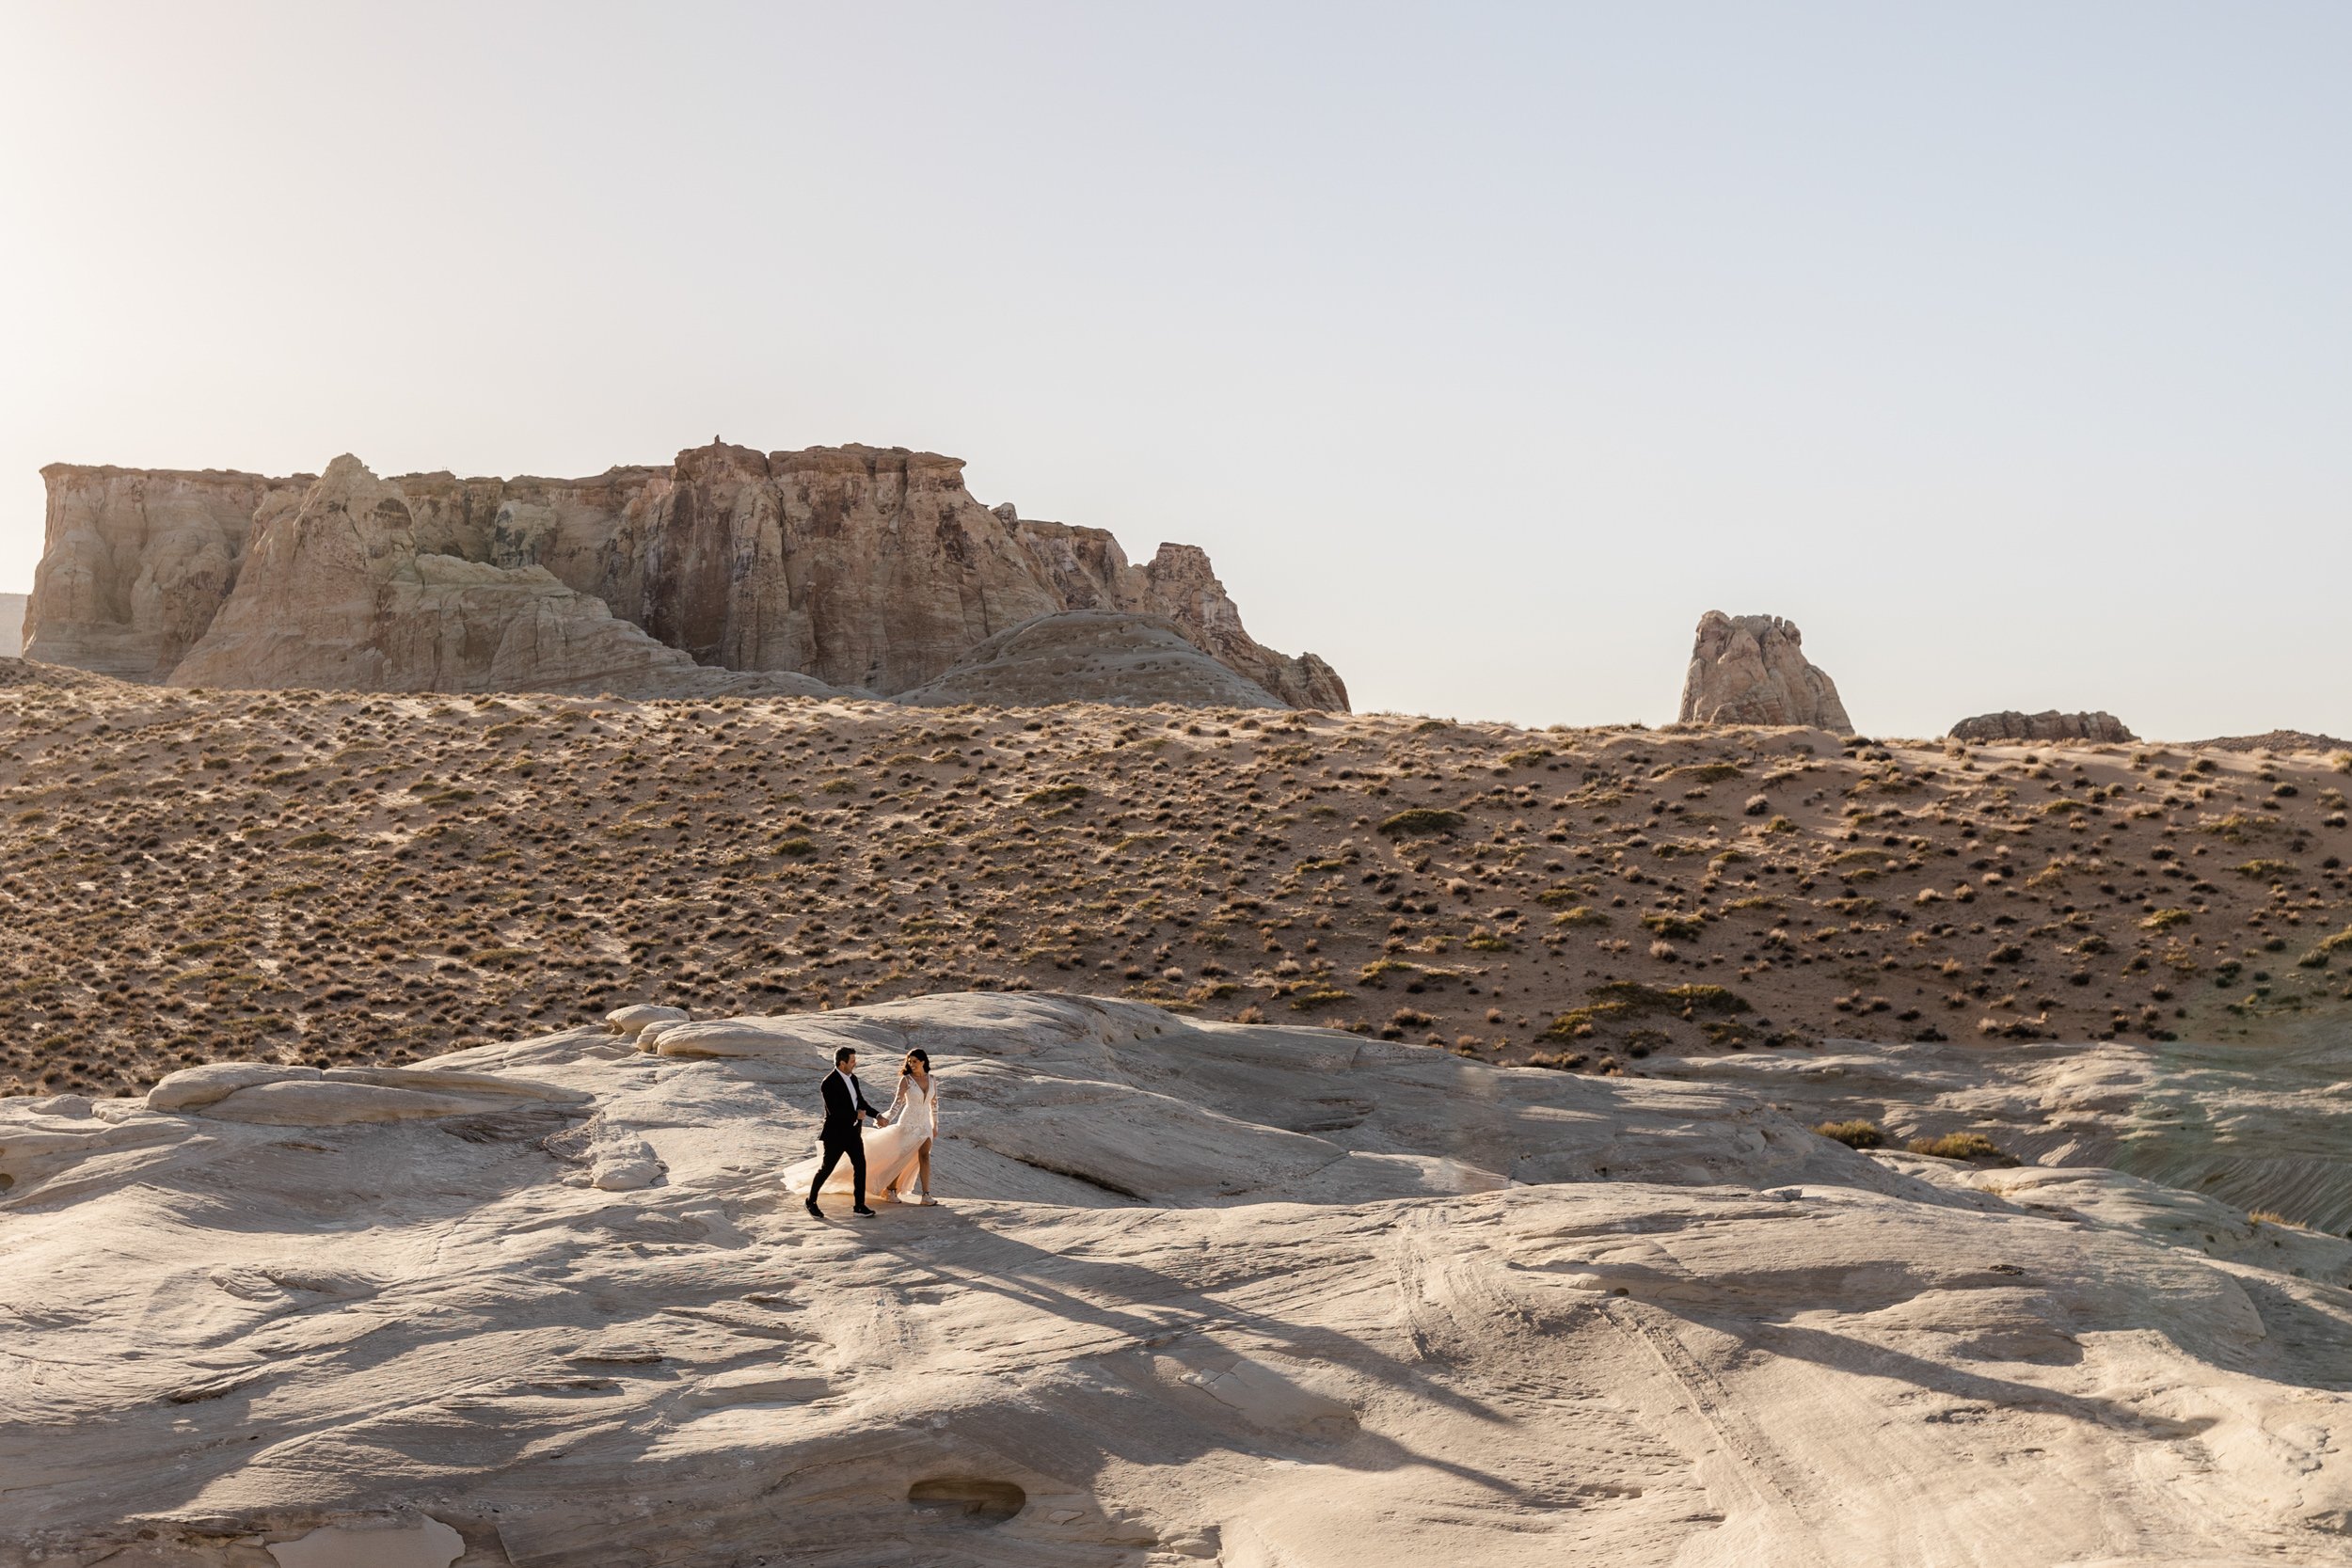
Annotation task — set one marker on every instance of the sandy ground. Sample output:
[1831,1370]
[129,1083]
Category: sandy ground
[319,877]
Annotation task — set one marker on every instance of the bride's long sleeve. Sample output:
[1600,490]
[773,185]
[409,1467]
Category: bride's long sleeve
[900,1103]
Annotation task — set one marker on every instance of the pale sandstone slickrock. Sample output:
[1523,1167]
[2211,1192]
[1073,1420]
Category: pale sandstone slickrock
[864,569]
[1752,669]
[1250,1294]
[2094,727]
[11,624]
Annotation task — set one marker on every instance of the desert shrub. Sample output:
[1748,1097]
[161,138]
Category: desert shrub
[1626,1000]
[1422,822]
[1584,915]
[1702,772]
[2327,947]
[1961,1145]
[1853,1134]
[1055,795]
[1758,805]
[1665,923]
[2164,920]
[795,848]
[2266,871]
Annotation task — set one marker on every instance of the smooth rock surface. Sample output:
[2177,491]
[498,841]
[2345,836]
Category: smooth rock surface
[1752,669]
[2049,724]
[11,624]
[629,1022]
[194,1087]
[1242,1294]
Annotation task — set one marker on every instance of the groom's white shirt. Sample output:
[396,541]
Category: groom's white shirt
[849,1080]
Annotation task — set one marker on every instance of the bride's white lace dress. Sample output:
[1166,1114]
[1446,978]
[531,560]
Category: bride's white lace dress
[890,1151]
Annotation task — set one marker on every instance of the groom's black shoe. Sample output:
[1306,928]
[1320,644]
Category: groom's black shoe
[862,1213]
[814,1212]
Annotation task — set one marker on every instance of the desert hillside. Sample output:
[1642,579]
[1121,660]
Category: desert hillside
[311,877]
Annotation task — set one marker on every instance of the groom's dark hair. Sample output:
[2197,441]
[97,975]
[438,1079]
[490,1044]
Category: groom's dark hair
[844,1054]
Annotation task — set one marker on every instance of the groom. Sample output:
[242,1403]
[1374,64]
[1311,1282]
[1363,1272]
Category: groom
[845,1109]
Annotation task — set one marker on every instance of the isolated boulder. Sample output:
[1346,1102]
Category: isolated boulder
[1752,669]
[2049,724]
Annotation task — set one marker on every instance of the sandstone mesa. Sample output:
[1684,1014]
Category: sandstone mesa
[856,569]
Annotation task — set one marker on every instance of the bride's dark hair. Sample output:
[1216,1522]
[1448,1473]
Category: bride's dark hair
[917,1054]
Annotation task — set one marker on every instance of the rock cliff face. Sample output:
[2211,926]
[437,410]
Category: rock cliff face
[864,568]
[1752,669]
[135,565]
[11,624]
[2049,724]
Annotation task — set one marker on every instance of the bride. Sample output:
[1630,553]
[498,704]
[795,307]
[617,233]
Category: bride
[900,1151]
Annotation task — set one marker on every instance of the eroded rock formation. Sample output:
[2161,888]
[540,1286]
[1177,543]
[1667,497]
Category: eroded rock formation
[344,589]
[1091,656]
[2049,724]
[1752,669]
[11,624]
[863,568]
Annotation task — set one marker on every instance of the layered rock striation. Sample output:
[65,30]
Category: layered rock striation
[2049,724]
[1752,669]
[868,570]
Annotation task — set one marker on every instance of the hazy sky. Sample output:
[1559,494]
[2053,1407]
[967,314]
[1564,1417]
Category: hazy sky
[2004,348]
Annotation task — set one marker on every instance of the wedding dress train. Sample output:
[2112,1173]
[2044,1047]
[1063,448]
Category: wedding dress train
[890,1151]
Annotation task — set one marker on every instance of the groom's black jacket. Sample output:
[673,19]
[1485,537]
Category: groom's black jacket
[844,1104]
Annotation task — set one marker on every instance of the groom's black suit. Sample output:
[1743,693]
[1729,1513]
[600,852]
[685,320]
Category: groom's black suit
[845,1103]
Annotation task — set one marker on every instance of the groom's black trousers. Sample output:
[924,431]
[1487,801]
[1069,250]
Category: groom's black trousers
[855,1147]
